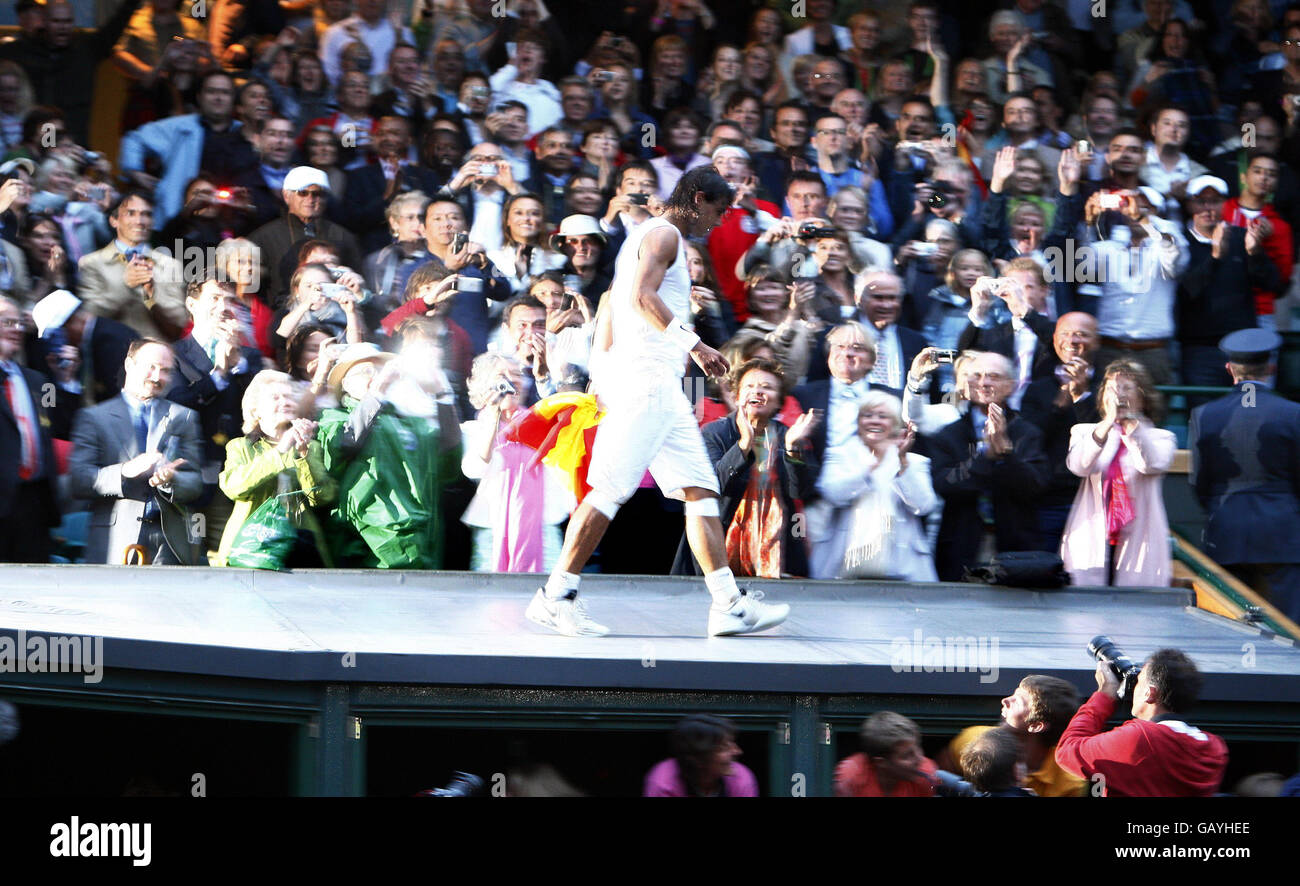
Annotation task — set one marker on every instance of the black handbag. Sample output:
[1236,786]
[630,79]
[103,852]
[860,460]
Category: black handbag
[1021,569]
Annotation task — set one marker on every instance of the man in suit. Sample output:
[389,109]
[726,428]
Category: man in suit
[305,192]
[1055,404]
[1246,472]
[370,187]
[1025,339]
[136,458]
[81,353]
[131,282]
[27,470]
[851,353]
[212,373]
[989,462]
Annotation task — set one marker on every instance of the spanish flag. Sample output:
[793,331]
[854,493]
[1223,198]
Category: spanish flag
[562,428]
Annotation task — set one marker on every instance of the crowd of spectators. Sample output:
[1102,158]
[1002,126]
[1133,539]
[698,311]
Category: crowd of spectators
[342,245]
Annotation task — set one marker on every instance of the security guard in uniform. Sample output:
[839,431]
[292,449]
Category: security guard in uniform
[1245,450]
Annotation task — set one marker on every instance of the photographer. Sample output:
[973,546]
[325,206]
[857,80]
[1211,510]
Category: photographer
[316,297]
[1157,753]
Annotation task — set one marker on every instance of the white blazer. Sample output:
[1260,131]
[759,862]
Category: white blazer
[851,472]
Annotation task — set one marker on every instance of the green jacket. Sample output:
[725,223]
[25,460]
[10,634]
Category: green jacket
[391,470]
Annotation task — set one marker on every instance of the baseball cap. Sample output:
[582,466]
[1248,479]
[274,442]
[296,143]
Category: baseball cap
[54,310]
[302,177]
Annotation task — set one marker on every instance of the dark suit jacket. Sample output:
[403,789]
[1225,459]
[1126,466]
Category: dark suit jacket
[220,411]
[1001,339]
[11,452]
[910,341]
[275,239]
[1039,408]
[961,476]
[795,480]
[103,439]
[363,212]
[1245,450]
[817,395]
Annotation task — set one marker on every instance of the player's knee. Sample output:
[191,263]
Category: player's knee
[702,507]
[603,502]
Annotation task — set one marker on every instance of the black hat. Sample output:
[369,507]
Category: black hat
[1250,345]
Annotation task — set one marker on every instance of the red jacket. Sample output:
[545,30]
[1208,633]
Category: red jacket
[729,241]
[1141,758]
[1278,247]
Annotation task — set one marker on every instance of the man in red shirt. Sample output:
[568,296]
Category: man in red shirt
[1157,753]
[1264,227]
[891,763]
[741,224]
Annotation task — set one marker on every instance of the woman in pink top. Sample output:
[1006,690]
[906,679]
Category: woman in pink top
[1122,460]
[703,762]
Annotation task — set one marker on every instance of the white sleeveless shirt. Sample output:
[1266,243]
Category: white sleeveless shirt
[639,348]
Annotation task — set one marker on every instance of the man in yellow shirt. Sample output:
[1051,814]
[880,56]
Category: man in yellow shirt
[1038,712]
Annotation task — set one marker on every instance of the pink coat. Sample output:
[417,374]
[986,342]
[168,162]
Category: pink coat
[1142,556]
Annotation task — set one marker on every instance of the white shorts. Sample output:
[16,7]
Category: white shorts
[649,424]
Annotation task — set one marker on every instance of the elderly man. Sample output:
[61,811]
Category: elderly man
[82,353]
[879,304]
[131,282]
[27,467]
[851,354]
[136,458]
[989,459]
[1056,403]
[305,192]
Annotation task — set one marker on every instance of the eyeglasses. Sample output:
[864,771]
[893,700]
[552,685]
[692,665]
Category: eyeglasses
[313,193]
[1291,42]
[10,323]
[832,132]
[831,76]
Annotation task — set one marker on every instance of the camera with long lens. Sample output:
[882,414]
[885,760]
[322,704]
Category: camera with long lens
[1103,649]
[949,784]
[462,784]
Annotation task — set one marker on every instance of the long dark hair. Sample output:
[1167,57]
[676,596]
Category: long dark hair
[695,738]
[704,180]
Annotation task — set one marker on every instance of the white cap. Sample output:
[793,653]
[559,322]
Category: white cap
[1201,182]
[54,310]
[1154,197]
[302,177]
[16,163]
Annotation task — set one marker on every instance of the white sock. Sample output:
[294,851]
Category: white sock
[560,583]
[722,585]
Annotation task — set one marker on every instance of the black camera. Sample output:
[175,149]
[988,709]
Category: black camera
[459,241]
[940,194]
[949,784]
[812,231]
[639,199]
[1103,649]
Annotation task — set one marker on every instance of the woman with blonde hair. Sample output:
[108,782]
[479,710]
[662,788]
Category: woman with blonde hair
[277,442]
[1122,460]
[880,490]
